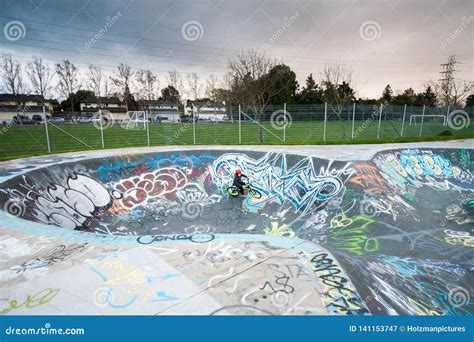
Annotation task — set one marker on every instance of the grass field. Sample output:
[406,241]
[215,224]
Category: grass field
[25,141]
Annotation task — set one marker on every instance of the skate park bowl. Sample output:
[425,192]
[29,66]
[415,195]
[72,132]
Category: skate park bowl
[154,231]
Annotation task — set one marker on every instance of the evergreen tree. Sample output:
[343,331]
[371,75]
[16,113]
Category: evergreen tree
[387,94]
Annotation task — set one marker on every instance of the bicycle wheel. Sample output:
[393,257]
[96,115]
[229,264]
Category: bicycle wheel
[233,191]
[255,193]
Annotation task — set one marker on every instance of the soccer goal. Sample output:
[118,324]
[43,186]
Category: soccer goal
[418,117]
[134,119]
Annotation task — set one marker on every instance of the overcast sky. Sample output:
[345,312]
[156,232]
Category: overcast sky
[400,42]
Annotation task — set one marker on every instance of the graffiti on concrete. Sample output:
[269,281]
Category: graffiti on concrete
[391,235]
[42,297]
[301,184]
[73,205]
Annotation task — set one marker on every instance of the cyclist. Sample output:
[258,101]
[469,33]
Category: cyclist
[238,183]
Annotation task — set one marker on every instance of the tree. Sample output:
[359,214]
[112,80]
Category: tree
[175,80]
[73,101]
[211,85]
[11,75]
[285,84]
[337,91]
[194,88]
[121,79]
[311,93]
[470,101]
[387,94]
[96,80]
[148,84]
[403,99]
[410,92]
[40,75]
[366,101]
[68,80]
[170,93]
[426,98]
[250,82]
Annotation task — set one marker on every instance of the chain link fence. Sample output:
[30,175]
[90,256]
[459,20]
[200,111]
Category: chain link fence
[241,124]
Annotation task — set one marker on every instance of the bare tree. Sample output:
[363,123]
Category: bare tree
[194,87]
[40,75]
[68,80]
[453,94]
[11,75]
[337,80]
[96,80]
[175,80]
[122,79]
[250,82]
[211,85]
[148,84]
[106,87]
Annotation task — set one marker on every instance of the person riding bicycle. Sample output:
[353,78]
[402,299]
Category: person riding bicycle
[238,183]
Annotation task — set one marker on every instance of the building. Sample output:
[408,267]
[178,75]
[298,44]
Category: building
[207,110]
[113,104]
[161,111]
[23,105]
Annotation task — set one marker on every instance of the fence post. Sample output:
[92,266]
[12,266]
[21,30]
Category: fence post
[325,119]
[46,129]
[284,118]
[380,120]
[240,127]
[353,119]
[447,115]
[194,125]
[422,120]
[147,127]
[403,121]
[101,128]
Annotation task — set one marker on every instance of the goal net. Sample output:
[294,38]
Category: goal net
[417,118]
[134,119]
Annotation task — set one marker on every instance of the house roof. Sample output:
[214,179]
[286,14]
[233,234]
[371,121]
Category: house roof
[206,103]
[157,103]
[20,98]
[164,110]
[103,100]
[110,109]
[13,108]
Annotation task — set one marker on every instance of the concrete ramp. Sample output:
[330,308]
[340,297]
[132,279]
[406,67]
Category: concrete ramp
[157,233]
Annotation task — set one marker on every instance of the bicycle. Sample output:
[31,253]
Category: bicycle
[234,191]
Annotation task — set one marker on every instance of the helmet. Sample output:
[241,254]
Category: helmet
[238,172]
